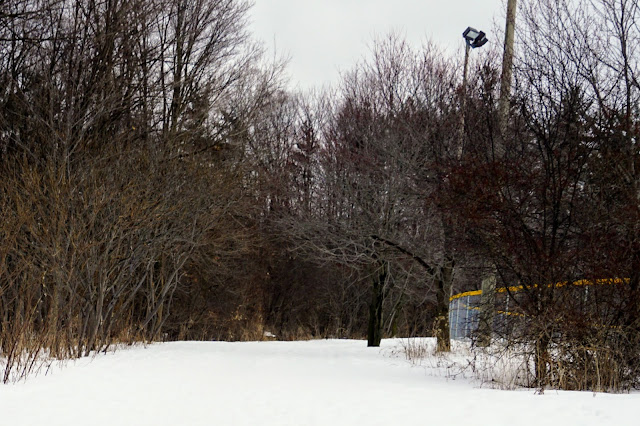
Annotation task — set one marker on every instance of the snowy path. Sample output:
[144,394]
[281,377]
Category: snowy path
[330,382]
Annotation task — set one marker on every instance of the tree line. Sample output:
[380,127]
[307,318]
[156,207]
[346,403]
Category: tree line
[159,181]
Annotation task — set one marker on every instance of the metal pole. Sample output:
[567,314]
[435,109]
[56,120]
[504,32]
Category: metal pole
[467,48]
[452,319]
[458,318]
[487,309]
[463,103]
[466,319]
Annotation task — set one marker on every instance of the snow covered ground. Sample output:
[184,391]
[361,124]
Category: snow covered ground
[326,382]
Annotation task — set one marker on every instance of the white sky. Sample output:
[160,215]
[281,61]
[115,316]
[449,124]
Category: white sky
[323,37]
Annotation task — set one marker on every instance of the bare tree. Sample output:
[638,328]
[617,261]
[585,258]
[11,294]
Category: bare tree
[113,120]
[380,167]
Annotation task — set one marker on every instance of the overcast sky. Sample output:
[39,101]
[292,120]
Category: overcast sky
[323,37]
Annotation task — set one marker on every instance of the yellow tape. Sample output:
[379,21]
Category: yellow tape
[465,294]
[514,289]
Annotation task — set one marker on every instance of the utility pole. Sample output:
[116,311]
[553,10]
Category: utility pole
[507,67]
[487,300]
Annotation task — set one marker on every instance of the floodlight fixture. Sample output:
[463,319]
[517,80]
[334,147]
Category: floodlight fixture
[474,38]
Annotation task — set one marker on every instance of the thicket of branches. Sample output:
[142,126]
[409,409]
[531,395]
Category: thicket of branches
[158,182]
[561,205]
[118,127]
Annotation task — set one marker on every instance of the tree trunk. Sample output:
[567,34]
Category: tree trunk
[443,292]
[542,359]
[374,332]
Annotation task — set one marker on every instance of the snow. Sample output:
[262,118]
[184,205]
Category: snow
[324,382]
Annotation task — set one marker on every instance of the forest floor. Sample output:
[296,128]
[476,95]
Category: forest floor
[322,382]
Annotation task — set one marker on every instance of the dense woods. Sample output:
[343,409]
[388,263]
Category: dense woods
[158,181]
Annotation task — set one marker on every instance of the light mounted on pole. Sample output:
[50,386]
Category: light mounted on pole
[474,38]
